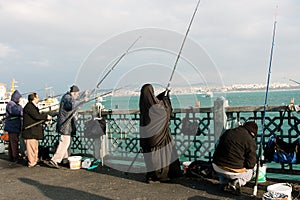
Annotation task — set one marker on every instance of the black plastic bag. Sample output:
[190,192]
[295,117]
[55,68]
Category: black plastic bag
[95,128]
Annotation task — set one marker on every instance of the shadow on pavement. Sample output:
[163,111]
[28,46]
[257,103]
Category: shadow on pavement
[208,186]
[57,192]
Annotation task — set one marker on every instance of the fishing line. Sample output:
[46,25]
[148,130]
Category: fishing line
[265,106]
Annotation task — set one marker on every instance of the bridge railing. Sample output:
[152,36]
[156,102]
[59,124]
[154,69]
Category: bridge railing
[122,135]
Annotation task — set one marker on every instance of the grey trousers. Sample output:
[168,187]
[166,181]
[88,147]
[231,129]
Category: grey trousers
[225,176]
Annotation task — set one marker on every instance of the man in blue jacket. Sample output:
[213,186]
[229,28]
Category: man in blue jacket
[13,124]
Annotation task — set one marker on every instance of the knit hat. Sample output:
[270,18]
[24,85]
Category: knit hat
[251,126]
[74,88]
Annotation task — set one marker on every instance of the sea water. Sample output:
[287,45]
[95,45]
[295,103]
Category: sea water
[250,98]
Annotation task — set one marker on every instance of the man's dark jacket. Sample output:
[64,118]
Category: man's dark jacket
[32,115]
[14,113]
[65,120]
[236,149]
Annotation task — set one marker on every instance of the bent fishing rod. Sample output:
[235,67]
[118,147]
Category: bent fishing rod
[102,79]
[116,63]
[180,50]
[259,160]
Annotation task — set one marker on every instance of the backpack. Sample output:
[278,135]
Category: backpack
[280,151]
[201,169]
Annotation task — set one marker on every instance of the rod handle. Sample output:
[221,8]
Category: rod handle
[255,190]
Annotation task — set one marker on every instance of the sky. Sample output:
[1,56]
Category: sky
[49,43]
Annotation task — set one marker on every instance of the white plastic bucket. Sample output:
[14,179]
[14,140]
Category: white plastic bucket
[283,188]
[262,173]
[274,196]
[75,162]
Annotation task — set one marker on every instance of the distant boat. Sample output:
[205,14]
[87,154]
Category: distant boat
[49,104]
[209,94]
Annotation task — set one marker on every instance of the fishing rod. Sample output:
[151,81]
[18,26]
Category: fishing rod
[259,160]
[73,113]
[172,74]
[116,63]
[37,123]
[178,56]
[43,120]
[294,81]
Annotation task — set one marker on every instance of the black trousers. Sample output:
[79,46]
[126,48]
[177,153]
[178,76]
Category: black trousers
[13,146]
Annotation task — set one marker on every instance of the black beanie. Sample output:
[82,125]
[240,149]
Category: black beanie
[251,126]
[74,88]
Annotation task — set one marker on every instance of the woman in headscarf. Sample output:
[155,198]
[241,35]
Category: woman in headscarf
[155,137]
[13,125]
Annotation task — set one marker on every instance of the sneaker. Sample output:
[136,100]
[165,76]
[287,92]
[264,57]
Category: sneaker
[52,164]
[234,186]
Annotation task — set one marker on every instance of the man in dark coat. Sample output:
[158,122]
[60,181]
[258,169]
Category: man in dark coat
[155,137]
[235,156]
[66,126]
[13,125]
[31,133]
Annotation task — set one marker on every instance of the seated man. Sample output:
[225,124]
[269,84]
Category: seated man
[235,156]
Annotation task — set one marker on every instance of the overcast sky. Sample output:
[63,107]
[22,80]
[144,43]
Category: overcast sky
[45,42]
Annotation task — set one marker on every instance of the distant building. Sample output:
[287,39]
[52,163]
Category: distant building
[3,94]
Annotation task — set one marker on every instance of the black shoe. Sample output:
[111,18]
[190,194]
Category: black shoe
[14,160]
[234,186]
[223,187]
[165,180]
[152,180]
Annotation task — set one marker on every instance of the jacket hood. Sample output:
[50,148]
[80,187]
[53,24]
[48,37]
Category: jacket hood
[16,96]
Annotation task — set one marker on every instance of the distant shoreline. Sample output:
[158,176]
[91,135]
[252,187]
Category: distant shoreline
[262,90]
